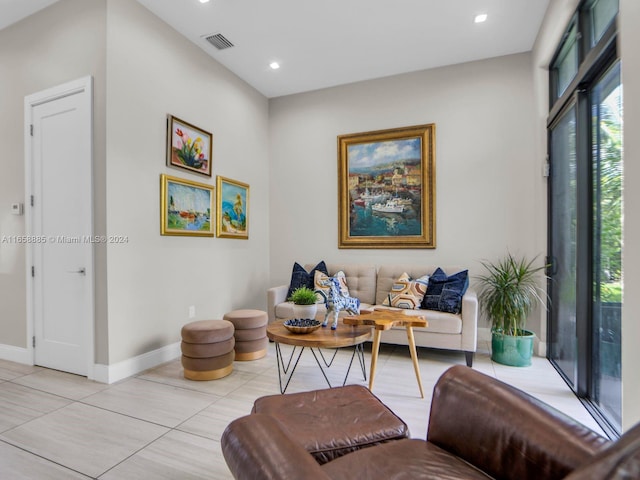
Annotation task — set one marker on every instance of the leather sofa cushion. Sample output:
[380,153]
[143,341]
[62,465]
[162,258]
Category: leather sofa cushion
[403,459]
[332,422]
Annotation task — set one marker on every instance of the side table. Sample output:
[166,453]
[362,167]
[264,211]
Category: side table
[383,320]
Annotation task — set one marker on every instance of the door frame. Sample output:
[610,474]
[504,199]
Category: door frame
[81,85]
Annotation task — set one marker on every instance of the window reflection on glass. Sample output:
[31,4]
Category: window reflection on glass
[606,100]
[566,65]
[602,12]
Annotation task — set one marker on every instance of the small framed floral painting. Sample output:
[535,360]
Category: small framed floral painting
[232,214]
[186,207]
[188,146]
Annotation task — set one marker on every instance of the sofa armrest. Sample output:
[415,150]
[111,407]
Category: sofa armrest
[469,313]
[505,432]
[275,296]
[256,447]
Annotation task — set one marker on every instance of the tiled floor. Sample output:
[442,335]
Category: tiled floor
[158,425]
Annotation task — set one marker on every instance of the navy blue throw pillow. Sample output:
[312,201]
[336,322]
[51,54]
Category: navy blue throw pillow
[301,278]
[445,293]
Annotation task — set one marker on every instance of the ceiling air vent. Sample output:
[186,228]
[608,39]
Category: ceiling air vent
[219,41]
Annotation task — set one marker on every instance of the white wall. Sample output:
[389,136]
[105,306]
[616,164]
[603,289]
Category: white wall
[628,43]
[153,279]
[487,173]
[61,43]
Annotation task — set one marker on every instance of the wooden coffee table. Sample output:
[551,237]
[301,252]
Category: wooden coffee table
[383,320]
[323,337]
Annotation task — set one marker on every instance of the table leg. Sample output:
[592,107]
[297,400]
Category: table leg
[374,356]
[414,357]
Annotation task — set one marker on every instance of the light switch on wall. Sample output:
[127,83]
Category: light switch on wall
[17,208]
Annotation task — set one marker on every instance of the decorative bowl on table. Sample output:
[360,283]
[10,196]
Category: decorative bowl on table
[302,325]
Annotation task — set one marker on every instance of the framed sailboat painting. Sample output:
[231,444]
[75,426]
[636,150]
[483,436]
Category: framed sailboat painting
[386,188]
[186,207]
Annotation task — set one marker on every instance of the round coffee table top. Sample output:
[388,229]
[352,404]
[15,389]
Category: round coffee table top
[323,337]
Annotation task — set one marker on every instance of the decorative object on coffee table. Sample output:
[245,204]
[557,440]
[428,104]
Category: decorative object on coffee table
[337,301]
[304,300]
[302,325]
[508,292]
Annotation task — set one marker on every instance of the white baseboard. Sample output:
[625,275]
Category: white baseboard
[16,354]
[105,373]
[133,366]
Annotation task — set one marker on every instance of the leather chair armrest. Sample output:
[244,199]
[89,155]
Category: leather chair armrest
[275,296]
[505,432]
[256,447]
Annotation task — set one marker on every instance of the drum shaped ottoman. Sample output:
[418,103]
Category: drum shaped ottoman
[207,349]
[250,333]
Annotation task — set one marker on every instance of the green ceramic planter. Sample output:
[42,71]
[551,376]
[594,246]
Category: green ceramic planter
[512,351]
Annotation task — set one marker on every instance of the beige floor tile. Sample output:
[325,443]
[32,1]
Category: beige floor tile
[10,370]
[177,455]
[16,464]
[172,374]
[212,421]
[151,401]
[22,404]
[86,439]
[62,384]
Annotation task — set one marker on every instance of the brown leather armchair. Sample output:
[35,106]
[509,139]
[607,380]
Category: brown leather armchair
[479,428]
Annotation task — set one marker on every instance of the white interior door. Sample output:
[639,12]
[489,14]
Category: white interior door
[61,226]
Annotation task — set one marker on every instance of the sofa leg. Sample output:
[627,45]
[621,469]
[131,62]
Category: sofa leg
[469,357]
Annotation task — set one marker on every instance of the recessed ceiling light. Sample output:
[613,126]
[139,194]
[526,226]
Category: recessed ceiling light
[204,1]
[274,65]
[479,18]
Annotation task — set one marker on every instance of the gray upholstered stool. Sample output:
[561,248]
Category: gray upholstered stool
[207,349]
[250,333]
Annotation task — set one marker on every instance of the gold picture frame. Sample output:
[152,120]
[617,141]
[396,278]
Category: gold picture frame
[186,207]
[188,147]
[386,188]
[232,214]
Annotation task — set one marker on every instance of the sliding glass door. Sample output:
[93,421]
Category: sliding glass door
[606,101]
[585,211]
[563,201]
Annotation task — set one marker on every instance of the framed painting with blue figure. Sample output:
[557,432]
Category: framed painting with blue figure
[186,207]
[233,208]
[188,147]
[386,188]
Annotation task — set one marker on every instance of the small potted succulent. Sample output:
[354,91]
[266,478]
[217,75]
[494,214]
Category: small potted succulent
[304,300]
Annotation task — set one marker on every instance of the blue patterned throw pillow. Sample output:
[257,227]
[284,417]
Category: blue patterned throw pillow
[301,278]
[445,293]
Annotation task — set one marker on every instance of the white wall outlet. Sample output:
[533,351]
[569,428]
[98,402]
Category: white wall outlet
[192,311]
[17,208]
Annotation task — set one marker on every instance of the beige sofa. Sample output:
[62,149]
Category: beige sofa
[372,284]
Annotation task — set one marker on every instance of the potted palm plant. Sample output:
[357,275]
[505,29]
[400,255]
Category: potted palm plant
[507,293]
[304,300]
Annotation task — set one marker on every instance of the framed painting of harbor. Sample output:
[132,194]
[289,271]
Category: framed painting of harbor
[186,207]
[232,215]
[386,188]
